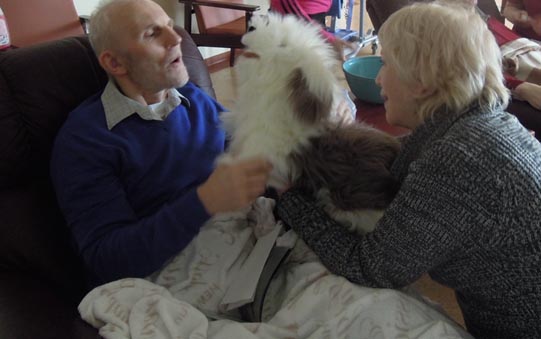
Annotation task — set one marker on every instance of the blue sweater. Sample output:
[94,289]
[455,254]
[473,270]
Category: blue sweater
[129,193]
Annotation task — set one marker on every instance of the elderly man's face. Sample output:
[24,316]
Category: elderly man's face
[150,48]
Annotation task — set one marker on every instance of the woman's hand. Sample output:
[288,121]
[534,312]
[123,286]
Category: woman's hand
[529,92]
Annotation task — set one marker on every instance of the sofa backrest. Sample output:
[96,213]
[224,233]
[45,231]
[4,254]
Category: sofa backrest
[39,86]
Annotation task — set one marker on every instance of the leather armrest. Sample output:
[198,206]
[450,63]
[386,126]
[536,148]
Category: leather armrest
[30,308]
[528,116]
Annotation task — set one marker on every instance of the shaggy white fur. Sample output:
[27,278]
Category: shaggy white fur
[287,89]
[287,102]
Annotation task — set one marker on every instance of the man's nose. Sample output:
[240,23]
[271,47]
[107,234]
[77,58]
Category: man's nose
[172,37]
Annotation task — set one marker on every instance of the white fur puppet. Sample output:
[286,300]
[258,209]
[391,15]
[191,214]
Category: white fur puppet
[286,111]
[286,89]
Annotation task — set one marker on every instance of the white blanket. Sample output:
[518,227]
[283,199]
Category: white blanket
[303,301]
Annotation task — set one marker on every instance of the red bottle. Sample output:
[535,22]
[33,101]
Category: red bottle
[4,33]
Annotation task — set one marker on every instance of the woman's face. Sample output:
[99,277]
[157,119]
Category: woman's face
[399,98]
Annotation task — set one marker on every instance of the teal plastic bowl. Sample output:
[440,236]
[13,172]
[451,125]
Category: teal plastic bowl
[361,75]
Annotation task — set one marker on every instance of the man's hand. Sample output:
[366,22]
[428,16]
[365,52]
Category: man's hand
[516,15]
[535,22]
[529,92]
[346,49]
[234,186]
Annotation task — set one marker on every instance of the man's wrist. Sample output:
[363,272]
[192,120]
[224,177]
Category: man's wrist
[205,196]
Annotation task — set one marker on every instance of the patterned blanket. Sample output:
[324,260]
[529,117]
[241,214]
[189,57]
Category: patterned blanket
[303,300]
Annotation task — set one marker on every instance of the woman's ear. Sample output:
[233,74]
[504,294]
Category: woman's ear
[112,63]
[420,92]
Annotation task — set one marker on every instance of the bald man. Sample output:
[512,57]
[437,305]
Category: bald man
[133,165]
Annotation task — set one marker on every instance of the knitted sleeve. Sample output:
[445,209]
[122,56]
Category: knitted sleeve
[428,222]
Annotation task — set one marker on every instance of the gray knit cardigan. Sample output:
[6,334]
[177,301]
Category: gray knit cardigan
[468,212]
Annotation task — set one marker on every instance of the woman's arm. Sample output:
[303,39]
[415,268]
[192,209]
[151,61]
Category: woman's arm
[425,225]
[527,91]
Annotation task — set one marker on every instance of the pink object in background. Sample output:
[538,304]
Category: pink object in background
[4,33]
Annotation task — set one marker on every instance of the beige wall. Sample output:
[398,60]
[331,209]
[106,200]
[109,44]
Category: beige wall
[172,7]
[174,10]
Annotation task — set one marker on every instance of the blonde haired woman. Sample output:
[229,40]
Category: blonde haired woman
[469,208]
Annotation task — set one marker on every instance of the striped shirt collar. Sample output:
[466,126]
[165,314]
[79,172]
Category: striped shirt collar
[118,107]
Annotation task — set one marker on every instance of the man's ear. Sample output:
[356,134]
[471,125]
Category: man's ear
[112,63]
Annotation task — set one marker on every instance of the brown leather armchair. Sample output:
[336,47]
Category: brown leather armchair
[41,278]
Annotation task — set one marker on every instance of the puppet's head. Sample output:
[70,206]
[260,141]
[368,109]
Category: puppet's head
[291,54]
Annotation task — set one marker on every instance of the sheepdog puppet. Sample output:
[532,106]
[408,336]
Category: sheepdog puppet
[286,111]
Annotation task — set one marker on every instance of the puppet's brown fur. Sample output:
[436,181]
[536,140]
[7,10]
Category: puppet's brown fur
[352,162]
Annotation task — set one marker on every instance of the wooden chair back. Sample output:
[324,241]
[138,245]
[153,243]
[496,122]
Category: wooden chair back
[213,17]
[221,23]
